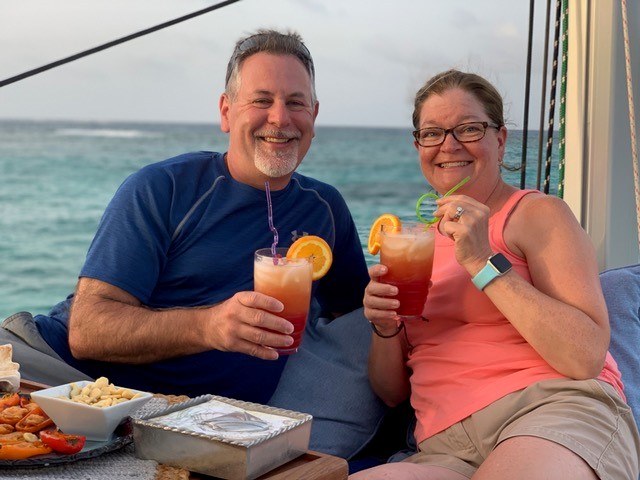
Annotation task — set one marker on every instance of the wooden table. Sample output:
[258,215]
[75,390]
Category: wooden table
[310,466]
[27,386]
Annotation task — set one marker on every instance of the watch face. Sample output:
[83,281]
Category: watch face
[500,262]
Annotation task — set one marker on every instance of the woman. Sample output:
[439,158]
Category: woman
[509,372]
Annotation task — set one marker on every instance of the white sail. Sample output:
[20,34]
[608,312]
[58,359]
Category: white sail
[599,176]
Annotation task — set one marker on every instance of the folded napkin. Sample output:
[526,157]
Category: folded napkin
[9,370]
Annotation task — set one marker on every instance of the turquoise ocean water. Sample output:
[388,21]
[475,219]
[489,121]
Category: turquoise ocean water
[56,178]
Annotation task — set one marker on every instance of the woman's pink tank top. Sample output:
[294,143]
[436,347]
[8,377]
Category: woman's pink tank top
[467,355]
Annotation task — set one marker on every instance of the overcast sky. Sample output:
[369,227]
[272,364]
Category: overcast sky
[371,55]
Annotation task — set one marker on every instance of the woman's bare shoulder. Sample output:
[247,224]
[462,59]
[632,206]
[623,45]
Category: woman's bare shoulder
[538,206]
[541,220]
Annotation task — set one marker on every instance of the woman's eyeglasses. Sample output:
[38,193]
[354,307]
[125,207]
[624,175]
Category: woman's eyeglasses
[463,133]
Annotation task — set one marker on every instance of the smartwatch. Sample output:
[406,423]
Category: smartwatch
[496,266]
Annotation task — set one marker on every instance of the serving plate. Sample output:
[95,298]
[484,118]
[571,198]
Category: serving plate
[122,436]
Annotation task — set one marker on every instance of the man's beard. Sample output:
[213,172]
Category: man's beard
[276,164]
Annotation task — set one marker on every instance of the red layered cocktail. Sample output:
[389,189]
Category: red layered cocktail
[407,252]
[288,280]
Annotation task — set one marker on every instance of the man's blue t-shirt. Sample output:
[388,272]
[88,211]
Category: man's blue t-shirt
[182,233]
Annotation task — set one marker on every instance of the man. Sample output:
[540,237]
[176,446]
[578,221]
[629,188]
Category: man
[164,301]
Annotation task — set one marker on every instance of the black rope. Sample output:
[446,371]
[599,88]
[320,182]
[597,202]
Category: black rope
[552,96]
[543,99]
[525,123]
[114,43]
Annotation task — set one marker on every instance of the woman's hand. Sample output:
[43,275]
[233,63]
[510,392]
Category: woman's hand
[379,307]
[466,222]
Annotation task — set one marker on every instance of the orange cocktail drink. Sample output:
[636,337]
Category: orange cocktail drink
[288,280]
[407,252]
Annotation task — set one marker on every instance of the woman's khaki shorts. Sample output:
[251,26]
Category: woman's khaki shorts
[586,416]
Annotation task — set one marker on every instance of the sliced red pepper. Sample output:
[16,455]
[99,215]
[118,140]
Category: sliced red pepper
[35,421]
[9,400]
[20,450]
[62,442]
[6,428]
[13,437]
[28,403]
[12,415]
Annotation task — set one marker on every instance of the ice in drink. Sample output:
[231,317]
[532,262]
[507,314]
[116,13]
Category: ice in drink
[407,252]
[288,280]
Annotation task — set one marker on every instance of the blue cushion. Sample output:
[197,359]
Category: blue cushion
[328,379]
[621,288]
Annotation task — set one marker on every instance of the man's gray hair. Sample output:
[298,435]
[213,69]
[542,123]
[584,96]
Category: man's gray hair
[269,41]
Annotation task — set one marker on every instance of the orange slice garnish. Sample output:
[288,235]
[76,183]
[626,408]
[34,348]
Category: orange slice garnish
[316,248]
[374,233]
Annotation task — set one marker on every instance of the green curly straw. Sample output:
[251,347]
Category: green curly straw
[435,197]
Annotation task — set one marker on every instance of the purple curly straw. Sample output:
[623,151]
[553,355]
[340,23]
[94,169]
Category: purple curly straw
[271,226]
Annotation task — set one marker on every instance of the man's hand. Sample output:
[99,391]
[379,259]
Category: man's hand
[249,323]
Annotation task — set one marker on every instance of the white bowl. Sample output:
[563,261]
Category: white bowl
[96,423]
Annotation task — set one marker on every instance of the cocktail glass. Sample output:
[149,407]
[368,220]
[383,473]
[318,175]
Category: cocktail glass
[288,280]
[407,252]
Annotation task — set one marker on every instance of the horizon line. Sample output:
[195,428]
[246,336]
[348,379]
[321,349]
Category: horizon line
[204,123]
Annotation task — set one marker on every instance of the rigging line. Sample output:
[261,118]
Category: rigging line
[552,97]
[586,173]
[632,116]
[114,43]
[563,98]
[543,100]
[527,89]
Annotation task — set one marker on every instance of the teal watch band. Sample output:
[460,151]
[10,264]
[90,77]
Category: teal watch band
[496,266]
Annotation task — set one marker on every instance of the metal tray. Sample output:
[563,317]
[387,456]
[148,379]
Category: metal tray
[222,437]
